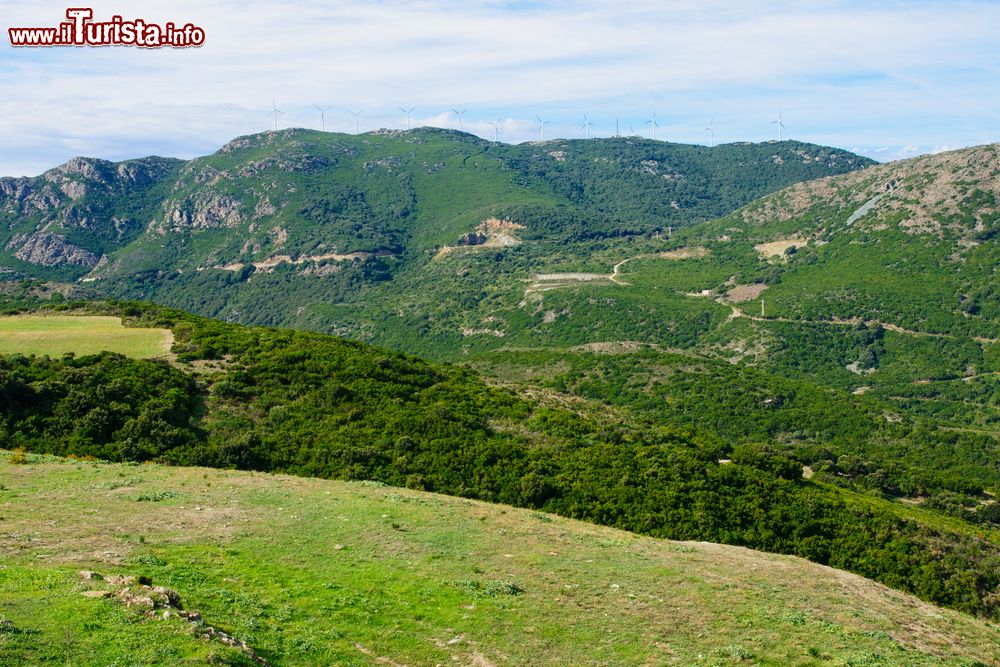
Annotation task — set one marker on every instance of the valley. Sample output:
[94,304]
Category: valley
[581,349]
[500,334]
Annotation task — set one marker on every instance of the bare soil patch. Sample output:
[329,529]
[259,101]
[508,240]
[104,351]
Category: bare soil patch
[778,248]
[741,293]
[685,253]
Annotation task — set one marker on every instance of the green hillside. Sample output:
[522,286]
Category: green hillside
[882,282]
[308,404]
[316,572]
[862,441]
[322,218]
[897,305]
[815,374]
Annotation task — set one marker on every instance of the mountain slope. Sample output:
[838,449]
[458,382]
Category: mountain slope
[321,218]
[318,572]
[907,250]
[912,243]
[63,222]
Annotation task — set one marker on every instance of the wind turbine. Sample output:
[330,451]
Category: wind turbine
[322,115]
[652,122]
[711,132]
[780,125]
[275,111]
[461,123]
[541,126]
[586,126]
[407,112]
[496,129]
[357,115]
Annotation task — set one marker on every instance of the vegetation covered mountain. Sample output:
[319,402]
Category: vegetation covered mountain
[889,303]
[313,572]
[912,243]
[309,404]
[63,222]
[920,257]
[883,281]
[816,373]
[321,218]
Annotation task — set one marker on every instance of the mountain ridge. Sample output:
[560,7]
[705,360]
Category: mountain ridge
[197,198]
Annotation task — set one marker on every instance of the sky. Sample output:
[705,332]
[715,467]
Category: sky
[885,79]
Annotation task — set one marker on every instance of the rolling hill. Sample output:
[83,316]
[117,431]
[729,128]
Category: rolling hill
[313,405]
[307,571]
[815,373]
[883,281]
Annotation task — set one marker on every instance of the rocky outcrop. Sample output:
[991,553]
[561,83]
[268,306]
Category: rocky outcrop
[264,209]
[15,188]
[19,196]
[135,174]
[305,164]
[73,189]
[89,168]
[473,238]
[237,144]
[207,211]
[47,249]
[139,594]
[387,163]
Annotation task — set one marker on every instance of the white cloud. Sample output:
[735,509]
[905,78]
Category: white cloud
[846,73]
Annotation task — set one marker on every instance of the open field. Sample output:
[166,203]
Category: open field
[544,282]
[319,572]
[778,248]
[55,335]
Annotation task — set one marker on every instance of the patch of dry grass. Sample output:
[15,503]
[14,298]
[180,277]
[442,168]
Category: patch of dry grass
[55,335]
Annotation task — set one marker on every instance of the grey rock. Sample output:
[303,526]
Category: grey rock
[47,249]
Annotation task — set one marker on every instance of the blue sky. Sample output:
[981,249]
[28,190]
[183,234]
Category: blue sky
[886,79]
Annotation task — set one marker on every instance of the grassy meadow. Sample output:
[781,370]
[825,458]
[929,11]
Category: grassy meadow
[321,572]
[56,335]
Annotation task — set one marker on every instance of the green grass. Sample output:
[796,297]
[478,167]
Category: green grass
[55,335]
[320,572]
